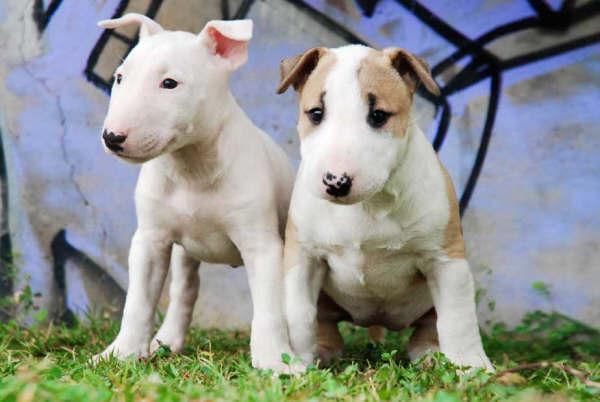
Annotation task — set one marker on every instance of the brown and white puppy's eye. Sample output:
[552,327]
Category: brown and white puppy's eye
[376,117]
[118,78]
[315,115]
[169,83]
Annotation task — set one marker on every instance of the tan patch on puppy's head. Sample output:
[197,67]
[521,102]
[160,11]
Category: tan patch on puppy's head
[383,89]
[453,245]
[388,80]
[307,73]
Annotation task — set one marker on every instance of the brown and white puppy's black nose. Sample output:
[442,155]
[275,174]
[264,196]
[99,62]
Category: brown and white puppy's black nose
[337,186]
[113,140]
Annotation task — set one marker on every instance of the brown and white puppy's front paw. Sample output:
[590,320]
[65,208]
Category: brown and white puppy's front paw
[453,292]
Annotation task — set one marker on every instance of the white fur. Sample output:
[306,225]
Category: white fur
[213,188]
[369,254]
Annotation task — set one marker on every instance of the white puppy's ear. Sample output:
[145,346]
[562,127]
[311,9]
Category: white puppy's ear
[228,40]
[147,26]
[295,70]
[412,69]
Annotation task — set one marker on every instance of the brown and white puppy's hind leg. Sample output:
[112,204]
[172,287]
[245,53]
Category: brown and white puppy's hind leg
[424,339]
[183,293]
[329,339]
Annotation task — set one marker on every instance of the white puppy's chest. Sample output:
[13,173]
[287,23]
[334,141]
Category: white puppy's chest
[195,221]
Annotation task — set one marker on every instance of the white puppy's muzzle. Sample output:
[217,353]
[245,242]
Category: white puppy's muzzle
[114,140]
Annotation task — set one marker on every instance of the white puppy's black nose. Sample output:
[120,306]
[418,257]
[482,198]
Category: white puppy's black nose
[113,141]
[337,186]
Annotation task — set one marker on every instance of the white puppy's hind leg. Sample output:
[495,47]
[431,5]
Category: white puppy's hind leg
[183,293]
[452,289]
[148,264]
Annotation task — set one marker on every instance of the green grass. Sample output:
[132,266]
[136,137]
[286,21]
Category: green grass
[49,363]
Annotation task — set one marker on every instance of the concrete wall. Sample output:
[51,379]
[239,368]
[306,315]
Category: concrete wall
[534,214]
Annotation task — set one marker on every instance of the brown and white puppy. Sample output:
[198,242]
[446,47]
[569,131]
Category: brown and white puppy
[373,233]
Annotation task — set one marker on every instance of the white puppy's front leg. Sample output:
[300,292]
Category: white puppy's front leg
[148,263]
[452,290]
[263,258]
[183,293]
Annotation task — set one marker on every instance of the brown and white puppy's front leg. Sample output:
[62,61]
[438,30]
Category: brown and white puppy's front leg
[183,293]
[452,289]
[148,264]
[303,281]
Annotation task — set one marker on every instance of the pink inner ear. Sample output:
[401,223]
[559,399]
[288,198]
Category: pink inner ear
[226,47]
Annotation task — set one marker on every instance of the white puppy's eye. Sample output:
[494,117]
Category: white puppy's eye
[168,83]
[118,78]
[315,115]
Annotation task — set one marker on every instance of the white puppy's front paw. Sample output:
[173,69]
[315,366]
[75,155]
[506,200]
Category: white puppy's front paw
[122,349]
[280,359]
[173,341]
[278,365]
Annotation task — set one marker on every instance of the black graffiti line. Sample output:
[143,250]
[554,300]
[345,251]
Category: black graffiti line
[328,22]
[492,109]
[580,14]
[89,73]
[63,251]
[43,16]
[6,253]
[243,10]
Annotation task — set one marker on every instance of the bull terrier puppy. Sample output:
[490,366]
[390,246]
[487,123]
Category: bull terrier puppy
[212,187]
[373,233]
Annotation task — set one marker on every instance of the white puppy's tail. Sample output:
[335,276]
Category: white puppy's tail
[147,26]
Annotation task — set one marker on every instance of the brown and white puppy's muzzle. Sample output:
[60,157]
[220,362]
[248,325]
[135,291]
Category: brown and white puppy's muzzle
[354,111]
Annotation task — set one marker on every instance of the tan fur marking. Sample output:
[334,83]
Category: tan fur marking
[311,91]
[376,333]
[413,69]
[453,246]
[330,341]
[377,76]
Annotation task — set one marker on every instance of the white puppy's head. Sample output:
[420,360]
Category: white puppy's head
[171,86]
[354,110]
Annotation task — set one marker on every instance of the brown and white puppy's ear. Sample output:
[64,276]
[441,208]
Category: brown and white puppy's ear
[295,70]
[228,40]
[148,26]
[412,69]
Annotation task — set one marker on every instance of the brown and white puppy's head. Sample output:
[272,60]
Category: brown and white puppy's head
[171,87]
[355,106]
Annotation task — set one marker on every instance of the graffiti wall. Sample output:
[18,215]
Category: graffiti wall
[516,125]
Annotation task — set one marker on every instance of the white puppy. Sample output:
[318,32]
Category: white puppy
[213,187]
[373,233]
